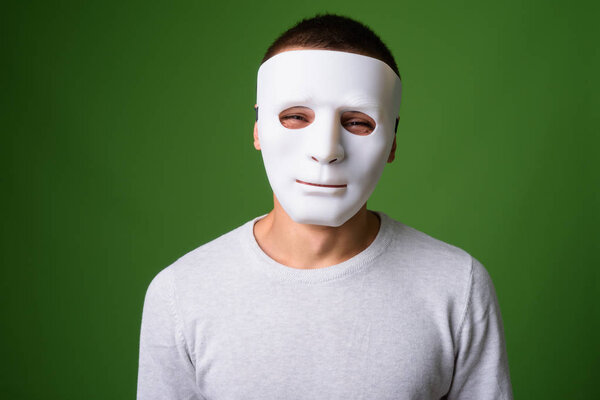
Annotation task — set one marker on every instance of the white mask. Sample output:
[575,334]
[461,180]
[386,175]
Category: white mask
[322,173]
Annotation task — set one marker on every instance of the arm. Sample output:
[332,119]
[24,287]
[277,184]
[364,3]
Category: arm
[165,367]
[480,363]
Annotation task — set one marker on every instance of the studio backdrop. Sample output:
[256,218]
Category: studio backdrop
[127,142]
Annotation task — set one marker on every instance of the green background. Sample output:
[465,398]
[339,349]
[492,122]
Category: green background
[127,142]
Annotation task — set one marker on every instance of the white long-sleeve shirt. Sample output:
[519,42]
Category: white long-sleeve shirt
[410,317]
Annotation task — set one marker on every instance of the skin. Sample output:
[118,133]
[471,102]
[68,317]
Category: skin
[306,246]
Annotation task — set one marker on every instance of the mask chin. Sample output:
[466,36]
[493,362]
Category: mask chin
[322,158]
[325,216]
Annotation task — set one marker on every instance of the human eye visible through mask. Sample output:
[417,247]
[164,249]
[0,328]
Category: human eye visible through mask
[296,117]
[299,117]
[357,123]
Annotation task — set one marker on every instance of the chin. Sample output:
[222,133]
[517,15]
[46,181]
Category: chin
[321,210]
[310,217]
[319,221]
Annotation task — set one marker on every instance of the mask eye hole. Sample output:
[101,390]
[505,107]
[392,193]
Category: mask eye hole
[296,117]
[357,123]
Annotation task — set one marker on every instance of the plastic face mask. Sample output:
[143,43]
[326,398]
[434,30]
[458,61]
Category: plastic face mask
[322,173]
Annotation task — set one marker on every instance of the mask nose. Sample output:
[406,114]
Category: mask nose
[324,146]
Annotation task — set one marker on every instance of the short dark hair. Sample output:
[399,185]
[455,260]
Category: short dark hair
[334,32]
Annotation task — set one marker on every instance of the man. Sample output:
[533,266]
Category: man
[321,298]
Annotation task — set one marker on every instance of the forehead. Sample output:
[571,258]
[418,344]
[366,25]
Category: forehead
[327,76]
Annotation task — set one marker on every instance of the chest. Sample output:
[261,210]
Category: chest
[334,343]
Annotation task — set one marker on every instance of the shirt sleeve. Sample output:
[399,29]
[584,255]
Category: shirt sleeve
[165,367]
[481,364]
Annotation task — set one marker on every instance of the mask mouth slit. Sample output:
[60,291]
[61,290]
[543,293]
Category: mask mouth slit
[321,185]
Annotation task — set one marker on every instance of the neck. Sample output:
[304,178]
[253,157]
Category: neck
[314,246]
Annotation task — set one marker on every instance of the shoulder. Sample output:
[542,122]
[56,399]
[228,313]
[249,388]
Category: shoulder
[424,251]
[220,248]
[205,264]
[442,275]
[436,266]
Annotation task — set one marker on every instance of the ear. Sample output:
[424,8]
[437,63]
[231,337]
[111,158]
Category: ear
[392,155]
[256,142]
